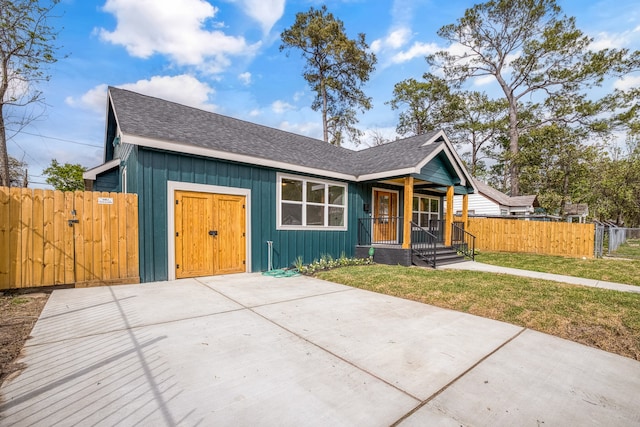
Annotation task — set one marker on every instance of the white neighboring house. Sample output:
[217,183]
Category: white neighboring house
[491,202]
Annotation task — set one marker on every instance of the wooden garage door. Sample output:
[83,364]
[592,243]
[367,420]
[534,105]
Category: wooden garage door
[210,234]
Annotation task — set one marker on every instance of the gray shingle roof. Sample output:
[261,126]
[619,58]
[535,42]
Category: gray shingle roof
[158,119]
[503,199]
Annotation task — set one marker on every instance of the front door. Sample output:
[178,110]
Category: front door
[210,234]
[385,216]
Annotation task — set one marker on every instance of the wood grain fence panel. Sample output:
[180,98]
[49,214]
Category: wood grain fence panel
[48,237]
[5,221]
[68,233]
[42,245]
[133,267]
[552,238]
[103,256]
[113,236]
[59,221]
[122,236]
[15,241]
[27,237]
[38,237]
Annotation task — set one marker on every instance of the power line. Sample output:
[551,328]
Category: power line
[57,139]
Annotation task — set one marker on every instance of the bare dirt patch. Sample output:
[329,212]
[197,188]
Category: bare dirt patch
[18,314]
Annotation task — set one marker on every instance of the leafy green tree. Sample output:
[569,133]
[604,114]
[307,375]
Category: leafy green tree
[18,175]
[26,49]
[557,166]
[479,122]
[67,177]
[531,50]
[426,105]
[336,69]
[616,191]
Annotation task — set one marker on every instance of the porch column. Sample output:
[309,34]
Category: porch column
[465,211]
[449,217]
[408,212]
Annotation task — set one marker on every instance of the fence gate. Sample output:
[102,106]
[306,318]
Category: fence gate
[52,238]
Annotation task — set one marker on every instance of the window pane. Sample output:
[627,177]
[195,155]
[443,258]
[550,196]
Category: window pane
[336,217]
[415,203]
[291,214]
[414,218]
[424,204]
[291,190]
[434,205]
[424,220]
[315,215]
[336,195]
[315,192]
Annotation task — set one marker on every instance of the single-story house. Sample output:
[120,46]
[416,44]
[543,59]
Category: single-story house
[219,195]
[488,201]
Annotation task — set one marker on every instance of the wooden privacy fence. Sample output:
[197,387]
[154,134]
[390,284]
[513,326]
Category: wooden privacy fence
[52,238]
[551,238]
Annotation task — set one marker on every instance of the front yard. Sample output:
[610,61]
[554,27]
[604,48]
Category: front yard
[605,319]
[616,270]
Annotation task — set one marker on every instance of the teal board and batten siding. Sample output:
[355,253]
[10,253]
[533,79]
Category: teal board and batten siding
[439,171]
[148,172]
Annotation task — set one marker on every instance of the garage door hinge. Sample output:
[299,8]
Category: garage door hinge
[177,202]
[242,206]
[177,265]
[243,262]
[177,234]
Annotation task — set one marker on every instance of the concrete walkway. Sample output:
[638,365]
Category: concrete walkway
[252,350]
[478,266]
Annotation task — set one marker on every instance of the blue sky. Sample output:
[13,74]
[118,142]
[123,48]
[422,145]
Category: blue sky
[224,56]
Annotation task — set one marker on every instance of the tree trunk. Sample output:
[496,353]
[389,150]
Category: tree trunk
[4,156]
[325,125]
[514,170]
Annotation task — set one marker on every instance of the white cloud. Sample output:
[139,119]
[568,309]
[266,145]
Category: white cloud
[94,99]
[183,89]
[280,107]
[245,78]
[418,49]
[394,40]
[176,29]
[298,95]
[627,82]
[606,40]
[265,12]
[310,129]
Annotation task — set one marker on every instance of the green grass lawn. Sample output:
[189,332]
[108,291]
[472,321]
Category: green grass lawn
[610,270]
[605,319]
[630,249]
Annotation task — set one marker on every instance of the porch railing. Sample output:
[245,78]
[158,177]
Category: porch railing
[463,241]
[384,230]
[423,244]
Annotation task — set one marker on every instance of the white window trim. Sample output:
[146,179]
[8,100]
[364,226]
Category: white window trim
[424,196]
[304,179]
[172,187]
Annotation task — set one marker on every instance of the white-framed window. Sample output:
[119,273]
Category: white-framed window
[425,209]
[310,203]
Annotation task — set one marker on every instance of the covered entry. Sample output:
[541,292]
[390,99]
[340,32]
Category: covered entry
[210,234]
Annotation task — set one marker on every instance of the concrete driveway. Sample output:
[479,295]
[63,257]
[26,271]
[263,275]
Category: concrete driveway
[253,350]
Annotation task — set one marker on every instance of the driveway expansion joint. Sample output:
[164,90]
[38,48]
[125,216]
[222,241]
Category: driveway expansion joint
[456,379]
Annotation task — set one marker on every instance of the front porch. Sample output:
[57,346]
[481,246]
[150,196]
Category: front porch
[427,245]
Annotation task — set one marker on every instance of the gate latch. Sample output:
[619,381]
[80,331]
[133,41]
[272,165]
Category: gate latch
[213,233]
[73,221]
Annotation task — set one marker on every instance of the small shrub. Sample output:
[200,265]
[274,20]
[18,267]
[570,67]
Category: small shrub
[327,262]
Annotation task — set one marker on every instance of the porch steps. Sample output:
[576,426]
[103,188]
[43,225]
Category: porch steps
[444,255]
